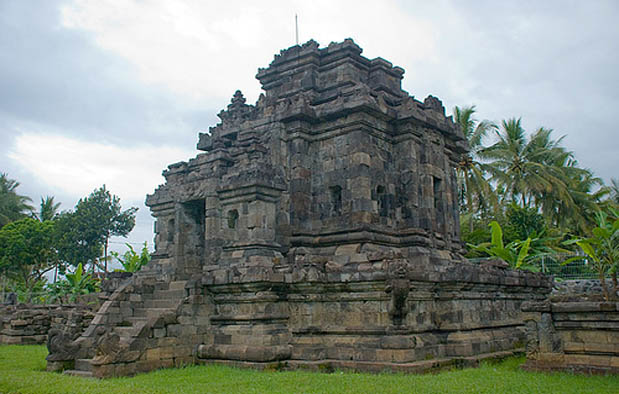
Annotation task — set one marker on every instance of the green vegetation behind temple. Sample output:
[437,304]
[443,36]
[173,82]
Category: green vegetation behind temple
[34,244]
[532,187]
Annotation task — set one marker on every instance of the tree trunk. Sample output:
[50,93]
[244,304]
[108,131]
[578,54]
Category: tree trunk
[28,288]
[615,288]
[603,283]
[4,281]
[469,202]
[105,254]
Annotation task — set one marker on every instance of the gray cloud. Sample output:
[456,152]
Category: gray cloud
[54,79]
[553,63]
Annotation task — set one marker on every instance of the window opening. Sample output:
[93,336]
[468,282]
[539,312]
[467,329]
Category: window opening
[170,230]
[380,198]
[336,200]
[233,218]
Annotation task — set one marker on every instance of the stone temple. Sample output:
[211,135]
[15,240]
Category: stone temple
[318,229]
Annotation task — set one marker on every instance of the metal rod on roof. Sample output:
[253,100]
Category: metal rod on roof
[296,28]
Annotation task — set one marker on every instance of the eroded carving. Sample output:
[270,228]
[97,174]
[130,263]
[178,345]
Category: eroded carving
[60,346]
[398,287]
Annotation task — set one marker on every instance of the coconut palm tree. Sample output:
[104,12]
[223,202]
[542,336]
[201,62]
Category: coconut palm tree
[12,205]
[48,209]
[586,192]
[614,191]
[527,168]
[476,193]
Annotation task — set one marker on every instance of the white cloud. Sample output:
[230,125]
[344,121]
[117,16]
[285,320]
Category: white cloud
[206,50]
[77,167]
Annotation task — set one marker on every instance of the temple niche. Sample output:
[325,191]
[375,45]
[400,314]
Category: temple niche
[319,225]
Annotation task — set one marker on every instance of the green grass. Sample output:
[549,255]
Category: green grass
[22,370]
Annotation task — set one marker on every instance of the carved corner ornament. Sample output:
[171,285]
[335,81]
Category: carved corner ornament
[398,286]
[61,346]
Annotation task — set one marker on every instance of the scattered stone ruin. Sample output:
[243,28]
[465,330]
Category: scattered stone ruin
[318,229]
[28,324]
[574,330]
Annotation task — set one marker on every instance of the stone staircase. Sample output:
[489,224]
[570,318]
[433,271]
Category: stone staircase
[124,324]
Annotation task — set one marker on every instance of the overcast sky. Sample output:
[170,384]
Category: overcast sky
[111,92]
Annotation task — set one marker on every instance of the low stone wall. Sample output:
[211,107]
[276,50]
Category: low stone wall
[23,324]
[580,290]
[579,336]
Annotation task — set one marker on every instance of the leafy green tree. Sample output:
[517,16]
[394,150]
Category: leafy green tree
[83,235]
[523,223]
[131,261]
[27,250]
[48,209]
[476,193]
[12,205]
[75,242]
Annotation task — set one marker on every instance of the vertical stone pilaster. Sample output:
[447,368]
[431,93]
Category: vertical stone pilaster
[300,182]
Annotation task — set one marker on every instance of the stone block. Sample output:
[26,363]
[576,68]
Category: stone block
[135,297]
[153,354]
[18,323]
[174,330]
[347,250]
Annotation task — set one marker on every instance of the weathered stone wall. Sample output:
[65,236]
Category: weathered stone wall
[392,315]
[29,324]
[576,336]
[579,290]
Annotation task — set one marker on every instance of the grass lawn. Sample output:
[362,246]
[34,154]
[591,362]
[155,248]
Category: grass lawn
[22,370]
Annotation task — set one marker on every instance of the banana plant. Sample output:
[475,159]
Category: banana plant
[73,285]
[602,249]
[516,253]
[131,261]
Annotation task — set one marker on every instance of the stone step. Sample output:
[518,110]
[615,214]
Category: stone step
[82,374]
[147,272]
[161,303]
[123,331]
[169,294]
[149,312]
[135,320]
[177,285]
[83,364]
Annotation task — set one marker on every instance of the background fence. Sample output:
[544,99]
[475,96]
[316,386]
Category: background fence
[553,265]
